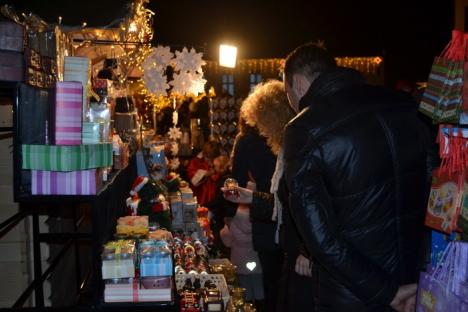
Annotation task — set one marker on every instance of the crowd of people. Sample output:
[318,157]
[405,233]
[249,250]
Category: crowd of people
[333,178]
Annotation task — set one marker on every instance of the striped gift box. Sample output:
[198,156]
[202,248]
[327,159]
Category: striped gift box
[66,158]
[85,182]
[68,113]
[79,69]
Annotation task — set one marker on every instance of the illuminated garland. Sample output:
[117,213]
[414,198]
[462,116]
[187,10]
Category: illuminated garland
[367,65]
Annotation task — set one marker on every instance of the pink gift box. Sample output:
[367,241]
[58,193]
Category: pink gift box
[133,292]
[84,182]
[68,113]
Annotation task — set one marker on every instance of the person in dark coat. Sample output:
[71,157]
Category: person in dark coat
[252,160]
[355,173]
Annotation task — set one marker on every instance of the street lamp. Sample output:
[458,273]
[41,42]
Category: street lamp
[227,55]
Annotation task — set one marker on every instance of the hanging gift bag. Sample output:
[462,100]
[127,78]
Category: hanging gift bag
[442,99]
[444,288]
[463,217]
[453,148]
[444,203]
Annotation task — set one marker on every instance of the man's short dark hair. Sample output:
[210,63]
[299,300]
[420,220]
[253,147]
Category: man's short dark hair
[308,60]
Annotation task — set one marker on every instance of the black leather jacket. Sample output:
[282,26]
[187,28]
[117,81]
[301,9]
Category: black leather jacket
[356,173]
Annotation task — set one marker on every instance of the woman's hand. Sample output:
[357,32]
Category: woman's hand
[237,194]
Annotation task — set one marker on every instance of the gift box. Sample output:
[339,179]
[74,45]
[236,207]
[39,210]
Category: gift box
[118,259]
[187,194]
[133,290]
[78,69]
[11,66]
[177,210]
[85,182]
[92,132]
[12,36]
[444,201]
[155,259]
[66,158]
[68,113]
[132,225]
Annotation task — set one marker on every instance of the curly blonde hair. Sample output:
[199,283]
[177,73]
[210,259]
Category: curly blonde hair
[267,108]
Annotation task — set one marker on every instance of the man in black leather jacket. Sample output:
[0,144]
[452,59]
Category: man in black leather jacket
[355,172]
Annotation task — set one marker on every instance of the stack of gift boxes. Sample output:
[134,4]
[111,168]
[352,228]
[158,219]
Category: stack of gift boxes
[138,269]
[70,165]
[184,211]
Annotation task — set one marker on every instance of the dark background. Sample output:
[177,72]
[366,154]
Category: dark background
[407,33]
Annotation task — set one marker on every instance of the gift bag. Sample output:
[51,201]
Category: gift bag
[463,218]
[444,200]
[453,148]
[445,287]
[442,99]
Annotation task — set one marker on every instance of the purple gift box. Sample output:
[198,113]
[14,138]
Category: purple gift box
[84,182]
[68,113]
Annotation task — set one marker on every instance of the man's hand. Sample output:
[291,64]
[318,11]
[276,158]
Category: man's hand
[303,266]
[405,298]
[237,194]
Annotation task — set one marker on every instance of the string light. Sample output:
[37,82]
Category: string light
[368,65]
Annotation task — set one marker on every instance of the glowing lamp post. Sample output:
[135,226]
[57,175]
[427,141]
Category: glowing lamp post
[227,56]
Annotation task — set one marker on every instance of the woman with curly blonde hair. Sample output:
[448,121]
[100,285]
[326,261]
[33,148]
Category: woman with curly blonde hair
[267,108]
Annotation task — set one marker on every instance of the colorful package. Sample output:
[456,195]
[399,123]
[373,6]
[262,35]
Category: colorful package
[85,182]
[444,201]
[66,158]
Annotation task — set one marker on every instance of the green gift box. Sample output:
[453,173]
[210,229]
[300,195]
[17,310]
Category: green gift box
[67,158]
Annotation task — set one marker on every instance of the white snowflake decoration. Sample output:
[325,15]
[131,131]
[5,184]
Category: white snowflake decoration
[174,133]
[155,82]
[174,148]
[160,57]
[182,83]
[198,83]
[174,163]
[189,60]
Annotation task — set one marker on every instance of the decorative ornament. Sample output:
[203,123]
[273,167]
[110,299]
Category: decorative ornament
[174,163]
[174,133]
[156,82]
[198,83]
[175,118]
[160,57]
[182,83]
[189,60]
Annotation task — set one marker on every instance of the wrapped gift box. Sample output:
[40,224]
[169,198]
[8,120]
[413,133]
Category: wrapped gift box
[131,225]
[66,158]
[132,290]
[155,259]
[92,132]
[85,182]
[118,259]
[177,211]
[11,66]
[68,113]
[187,194]
[12,36]
[78,69]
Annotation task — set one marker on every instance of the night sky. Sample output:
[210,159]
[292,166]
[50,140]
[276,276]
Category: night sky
[408,33]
